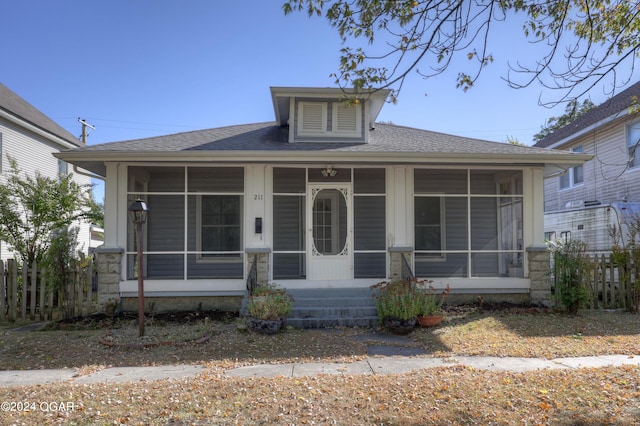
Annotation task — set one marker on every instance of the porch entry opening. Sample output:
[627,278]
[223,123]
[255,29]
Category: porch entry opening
[330,229]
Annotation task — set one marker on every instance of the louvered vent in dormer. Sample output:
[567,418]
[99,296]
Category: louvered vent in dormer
[345,118]
[313,117]
[328,120]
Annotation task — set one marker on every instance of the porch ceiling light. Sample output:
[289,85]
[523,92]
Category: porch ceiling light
[138,211]
[329,172]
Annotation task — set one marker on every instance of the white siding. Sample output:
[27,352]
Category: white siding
[606,177]
[34,154]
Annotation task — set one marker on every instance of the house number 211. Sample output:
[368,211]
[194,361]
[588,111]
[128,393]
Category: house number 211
[257,197]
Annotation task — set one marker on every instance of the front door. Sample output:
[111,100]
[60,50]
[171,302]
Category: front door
[330,232]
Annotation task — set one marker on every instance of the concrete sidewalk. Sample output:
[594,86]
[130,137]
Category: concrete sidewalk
[370,365]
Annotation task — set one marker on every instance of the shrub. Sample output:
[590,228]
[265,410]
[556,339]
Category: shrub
[570,264]
[268,302]
[397,299]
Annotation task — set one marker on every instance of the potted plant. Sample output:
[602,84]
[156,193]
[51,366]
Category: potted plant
[397,304]
[430,304]
[268,307]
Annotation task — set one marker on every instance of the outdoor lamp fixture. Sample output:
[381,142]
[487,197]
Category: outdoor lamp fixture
[138,211]
[329,172]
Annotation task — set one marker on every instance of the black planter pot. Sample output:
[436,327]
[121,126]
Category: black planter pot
[399,326]
[265,326]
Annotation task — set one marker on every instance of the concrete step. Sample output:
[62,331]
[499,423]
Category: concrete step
[363,322]
[323,308]
[355,311]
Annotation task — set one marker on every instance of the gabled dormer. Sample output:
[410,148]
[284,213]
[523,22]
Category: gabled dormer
[322,115]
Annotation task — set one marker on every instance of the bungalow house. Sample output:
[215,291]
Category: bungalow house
[31,138]
[322,198]
[586,199]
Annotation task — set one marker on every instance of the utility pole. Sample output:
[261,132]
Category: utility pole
[84,123]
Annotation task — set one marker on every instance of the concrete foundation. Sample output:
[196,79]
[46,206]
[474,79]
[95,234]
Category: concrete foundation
[183,304]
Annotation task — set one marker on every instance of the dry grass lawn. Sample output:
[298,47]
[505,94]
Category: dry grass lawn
[455,395]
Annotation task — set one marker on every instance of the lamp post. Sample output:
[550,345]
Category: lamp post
[138,211]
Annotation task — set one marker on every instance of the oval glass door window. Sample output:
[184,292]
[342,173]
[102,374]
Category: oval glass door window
[329,222]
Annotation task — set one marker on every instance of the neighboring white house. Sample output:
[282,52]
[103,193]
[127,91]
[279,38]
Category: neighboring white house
[30,137]
[609,132]
[324,198]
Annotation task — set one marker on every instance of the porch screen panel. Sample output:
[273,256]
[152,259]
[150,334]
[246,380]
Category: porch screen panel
[157,266]
[216,179]
[451,265]
[288,223]
[289,266]
[291,181]
[456,214]
[484,224]
[486,182]
[370,265]
[165,223]
[432,181]
[369,213]
[441,228]
[214,222]
[369,223]
[369,235]
[216,268]
[156,179]
[369,181]
[484,264]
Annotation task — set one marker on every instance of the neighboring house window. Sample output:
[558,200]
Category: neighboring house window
[63,168]
[575,175]
[633,141]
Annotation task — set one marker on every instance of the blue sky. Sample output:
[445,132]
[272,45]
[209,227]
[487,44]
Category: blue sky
[138,68]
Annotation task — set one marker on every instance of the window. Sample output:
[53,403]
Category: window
[575,175]
[429,225]
[219,225]
[633,141]
[63,168]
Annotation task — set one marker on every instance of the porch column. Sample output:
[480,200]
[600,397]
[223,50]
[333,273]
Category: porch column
[261,255]
[109,262]
[397,265]
[540,274]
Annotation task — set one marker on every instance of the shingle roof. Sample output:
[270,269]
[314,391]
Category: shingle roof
[270,137]
[615,105]
[19,108]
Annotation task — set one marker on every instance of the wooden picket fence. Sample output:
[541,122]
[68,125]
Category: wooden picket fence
[25,295]
[612,285]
